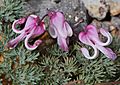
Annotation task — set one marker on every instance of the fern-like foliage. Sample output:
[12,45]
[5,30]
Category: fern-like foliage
[53,74]
[11,10]
[98,70]
[58,70]
[18,66]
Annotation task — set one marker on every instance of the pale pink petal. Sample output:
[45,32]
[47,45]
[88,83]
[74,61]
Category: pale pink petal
[31,22]
[84,38]
[34,16]
[57,20]
[107,52]
[35,45]
[91,30]
[92,33]
[15,23]
[39,30]
[98,41]
[62,43]
[68,28]
[13,43]
[87,55]
[53,31]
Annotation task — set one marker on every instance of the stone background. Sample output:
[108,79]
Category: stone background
[102,13]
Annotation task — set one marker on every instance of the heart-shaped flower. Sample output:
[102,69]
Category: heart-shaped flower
[59,28]
[33,28]
[90,37]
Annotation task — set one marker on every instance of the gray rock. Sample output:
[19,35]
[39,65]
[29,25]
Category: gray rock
[1,3]
[73,10]
[116,22]
[96,8]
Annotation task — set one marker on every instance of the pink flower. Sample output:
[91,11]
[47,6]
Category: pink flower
[59,28]
[33,27]
[90,37]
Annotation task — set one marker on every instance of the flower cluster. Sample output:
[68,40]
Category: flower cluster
[60,29]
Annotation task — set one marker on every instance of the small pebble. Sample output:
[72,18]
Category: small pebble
[69,16]
[112,28]
[76,18]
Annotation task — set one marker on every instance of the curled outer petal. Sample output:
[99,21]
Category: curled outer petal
[35,45]
[68,29]
[15,23]
[83,37]
[53,31]
[29,24]
[106,34]
[93,35]
[87,55]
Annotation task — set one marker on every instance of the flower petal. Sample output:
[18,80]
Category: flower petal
[38,30]
[107,52]
[52,30]
[68,28]
[13,43]
[91,29]
[93,34]
[19,21]
[62,43]
[106,34]
[83,37]
[35,45]
[87,55]
[31,22]
[34,16]
[57,20]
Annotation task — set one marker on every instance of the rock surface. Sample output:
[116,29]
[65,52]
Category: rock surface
[96,8]
[112,26]
[114,7]
[99,8]
[1,3]
[75,10]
